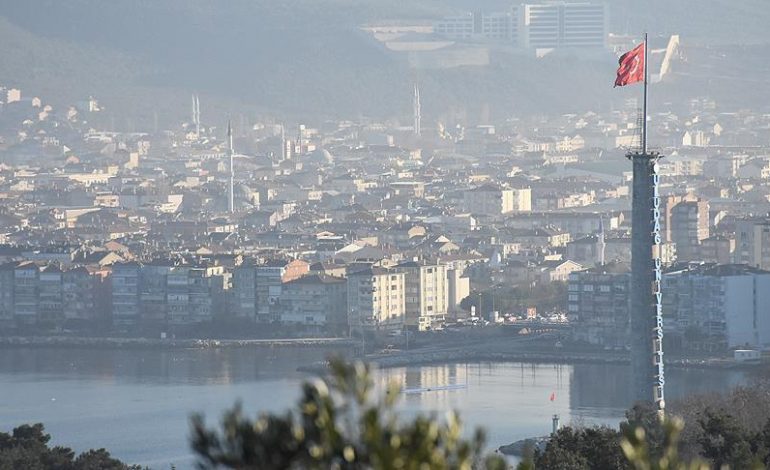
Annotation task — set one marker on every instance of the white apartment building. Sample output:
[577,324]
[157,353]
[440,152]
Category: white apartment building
[376,298]
[540,26]
[427,294]
[551,25]
[544,25]
[752,242]
[727,305]
[584,25]
[458,287]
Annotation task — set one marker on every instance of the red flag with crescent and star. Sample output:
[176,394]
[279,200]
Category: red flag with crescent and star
[631,69]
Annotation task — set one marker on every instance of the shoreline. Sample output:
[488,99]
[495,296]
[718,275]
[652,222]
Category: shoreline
[566,358]
[152,343]
[400,359]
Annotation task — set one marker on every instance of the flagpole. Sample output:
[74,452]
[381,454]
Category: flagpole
[644,109]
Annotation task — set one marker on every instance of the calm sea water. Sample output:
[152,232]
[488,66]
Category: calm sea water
[137,403]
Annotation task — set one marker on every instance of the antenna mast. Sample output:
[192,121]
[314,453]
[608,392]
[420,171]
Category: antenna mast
[231,194]
[196,115]
[417,111]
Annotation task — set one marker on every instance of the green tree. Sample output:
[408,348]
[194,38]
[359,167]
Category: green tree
[592,448]
[339,422]
[98,459]
[725,442]
[27,448]
[644,415]
[636,448]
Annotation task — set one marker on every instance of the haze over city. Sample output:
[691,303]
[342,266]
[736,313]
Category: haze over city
[550,216]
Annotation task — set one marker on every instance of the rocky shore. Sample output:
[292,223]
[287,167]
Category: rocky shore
[522,447]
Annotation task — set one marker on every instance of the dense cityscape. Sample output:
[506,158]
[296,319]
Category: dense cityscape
[453,240]
[348,225]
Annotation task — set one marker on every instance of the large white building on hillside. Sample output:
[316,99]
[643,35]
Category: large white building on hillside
[537,25]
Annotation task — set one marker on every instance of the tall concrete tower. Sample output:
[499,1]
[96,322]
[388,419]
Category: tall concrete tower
[646,267]
[231,152]
[417,111]
[646,276]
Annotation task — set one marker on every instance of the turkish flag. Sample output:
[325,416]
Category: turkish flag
[631,68]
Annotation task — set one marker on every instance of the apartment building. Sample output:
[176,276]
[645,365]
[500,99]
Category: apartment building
[25,293]
[125,294]
[316,300]
[427,294]
[458,288]
[752,242]
[501,26]
[490,199]
[6,294]
[598,304]
[257,287]
[718,306]
[86,296]
[551,25]
[49,296]
[689,226]
[376,298]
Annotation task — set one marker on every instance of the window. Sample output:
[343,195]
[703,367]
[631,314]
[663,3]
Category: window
[588,288]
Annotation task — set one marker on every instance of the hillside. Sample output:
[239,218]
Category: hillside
[307,58]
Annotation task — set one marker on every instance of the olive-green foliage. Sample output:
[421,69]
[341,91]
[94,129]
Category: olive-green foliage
[339,422]
[726,443]
[637,449]
[719,437]
[594,448]
[744,411]
[27,448]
